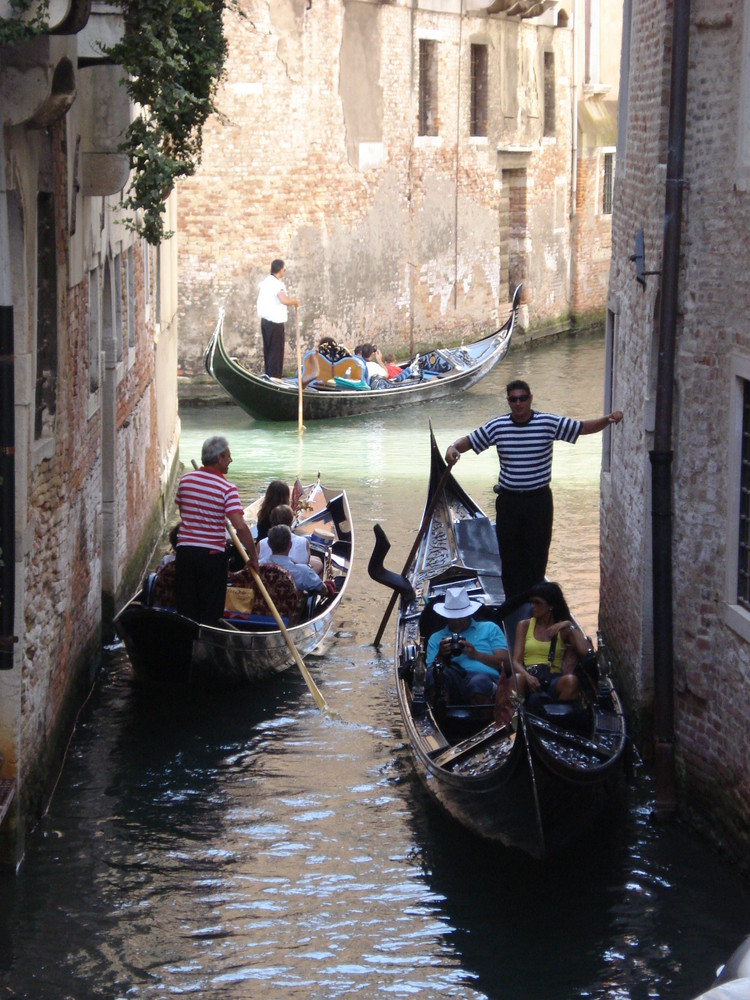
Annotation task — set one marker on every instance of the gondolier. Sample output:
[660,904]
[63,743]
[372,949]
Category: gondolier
[524,439]
[206,501]
[273,313]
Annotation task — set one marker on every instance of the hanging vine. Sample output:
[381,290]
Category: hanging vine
[173,53]
[23,24]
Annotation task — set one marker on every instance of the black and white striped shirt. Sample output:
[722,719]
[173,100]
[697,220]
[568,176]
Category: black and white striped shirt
[525,450]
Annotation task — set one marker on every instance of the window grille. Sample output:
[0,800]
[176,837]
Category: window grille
[743,553]
[428,87]
[549,93]
[609,178]
[479,90]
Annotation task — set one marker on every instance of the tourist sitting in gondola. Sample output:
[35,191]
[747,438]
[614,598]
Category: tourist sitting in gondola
[277,492]
[300,551]
[305,579]
[548,646]
[466,655]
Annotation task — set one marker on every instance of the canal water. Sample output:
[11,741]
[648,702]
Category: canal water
[246,845]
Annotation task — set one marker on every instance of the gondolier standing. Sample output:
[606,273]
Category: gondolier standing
[272,310]
[206,501]
[524,439]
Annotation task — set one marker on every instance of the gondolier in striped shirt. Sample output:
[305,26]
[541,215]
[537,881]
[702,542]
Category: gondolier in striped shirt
[206,501]
[524,439]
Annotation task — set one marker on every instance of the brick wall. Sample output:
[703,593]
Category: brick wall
[711,649]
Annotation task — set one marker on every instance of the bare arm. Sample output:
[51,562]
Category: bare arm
[287,300]
[599,423]
[497,659]
[454,451]
[237,521]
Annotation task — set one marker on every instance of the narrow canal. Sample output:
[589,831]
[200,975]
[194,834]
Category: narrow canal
[245,845]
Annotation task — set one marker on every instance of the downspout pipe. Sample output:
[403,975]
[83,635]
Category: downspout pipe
[661,455]
[7,434]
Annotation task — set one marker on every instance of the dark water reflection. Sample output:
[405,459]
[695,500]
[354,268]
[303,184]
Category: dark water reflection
[246,845]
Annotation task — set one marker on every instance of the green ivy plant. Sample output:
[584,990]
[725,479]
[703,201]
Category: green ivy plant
[173,52]
[21,25]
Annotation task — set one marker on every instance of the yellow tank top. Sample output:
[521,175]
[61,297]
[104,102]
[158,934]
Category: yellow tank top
[537,652]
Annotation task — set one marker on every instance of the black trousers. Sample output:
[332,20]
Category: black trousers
[200,583]
[273,347]
[524,531]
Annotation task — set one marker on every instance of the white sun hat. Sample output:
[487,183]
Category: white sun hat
[457,604]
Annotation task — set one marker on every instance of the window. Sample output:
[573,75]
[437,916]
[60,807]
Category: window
[94,333]
[549,93]
[131,299]
[479,90]
[608,184]
[428,87]
[743,546]
[46,316]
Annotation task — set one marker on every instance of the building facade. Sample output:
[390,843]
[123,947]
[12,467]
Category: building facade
[709,499]
[89,409]
[412,162]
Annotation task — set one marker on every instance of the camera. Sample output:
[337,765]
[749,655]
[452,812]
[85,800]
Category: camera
[457,642]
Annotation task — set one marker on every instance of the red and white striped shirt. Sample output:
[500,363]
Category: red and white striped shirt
[205,498]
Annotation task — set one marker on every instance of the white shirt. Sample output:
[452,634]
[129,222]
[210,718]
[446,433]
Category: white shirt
[268,306]
[373,368]
[300,551]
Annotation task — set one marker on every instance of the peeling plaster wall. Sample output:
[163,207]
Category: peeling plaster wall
[386,235]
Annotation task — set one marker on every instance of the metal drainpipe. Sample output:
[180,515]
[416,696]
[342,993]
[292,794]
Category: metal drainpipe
[7,433]
[661,456]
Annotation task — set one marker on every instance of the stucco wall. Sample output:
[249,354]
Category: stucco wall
[387,235]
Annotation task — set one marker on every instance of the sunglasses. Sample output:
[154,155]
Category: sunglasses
[519,399]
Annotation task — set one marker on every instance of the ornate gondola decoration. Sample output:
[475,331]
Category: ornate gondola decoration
[334,384]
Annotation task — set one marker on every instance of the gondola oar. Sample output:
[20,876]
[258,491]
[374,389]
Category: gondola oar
[300,425]
[417,542]
[314,691]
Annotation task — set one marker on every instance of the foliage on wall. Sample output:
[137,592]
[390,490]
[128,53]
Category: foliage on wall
[173,53]
[22,24]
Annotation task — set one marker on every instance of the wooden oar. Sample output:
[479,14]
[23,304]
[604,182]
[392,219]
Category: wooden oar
[300,426]
[415,546]
[314,691]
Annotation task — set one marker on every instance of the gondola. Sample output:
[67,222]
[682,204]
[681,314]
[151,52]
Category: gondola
[334,383]
[167,649]
[536,782]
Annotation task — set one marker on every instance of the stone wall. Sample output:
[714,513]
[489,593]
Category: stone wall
[96,451]
[387,235]
[712,362]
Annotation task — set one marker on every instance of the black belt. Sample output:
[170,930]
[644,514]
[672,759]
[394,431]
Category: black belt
[518,493]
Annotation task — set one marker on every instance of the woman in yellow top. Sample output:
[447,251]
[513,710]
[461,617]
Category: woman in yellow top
[531,649]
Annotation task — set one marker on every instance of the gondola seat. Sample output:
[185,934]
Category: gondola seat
[280,586]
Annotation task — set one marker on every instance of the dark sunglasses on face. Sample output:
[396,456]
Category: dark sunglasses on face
[519,399]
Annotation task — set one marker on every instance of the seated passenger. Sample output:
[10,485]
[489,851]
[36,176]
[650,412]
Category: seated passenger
[300,551]
[276,492]
[373,360]
[305,578]
[163,592]
[472,653]
[548,646]
[391,368]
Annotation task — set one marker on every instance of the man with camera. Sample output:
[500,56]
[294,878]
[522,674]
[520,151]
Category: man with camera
[470,653]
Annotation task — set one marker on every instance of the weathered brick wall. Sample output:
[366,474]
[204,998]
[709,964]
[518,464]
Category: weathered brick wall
[712,697]
[371,250]
[63,592]
[594,237]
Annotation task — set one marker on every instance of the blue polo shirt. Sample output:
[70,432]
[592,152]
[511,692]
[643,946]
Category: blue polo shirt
[486,637]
